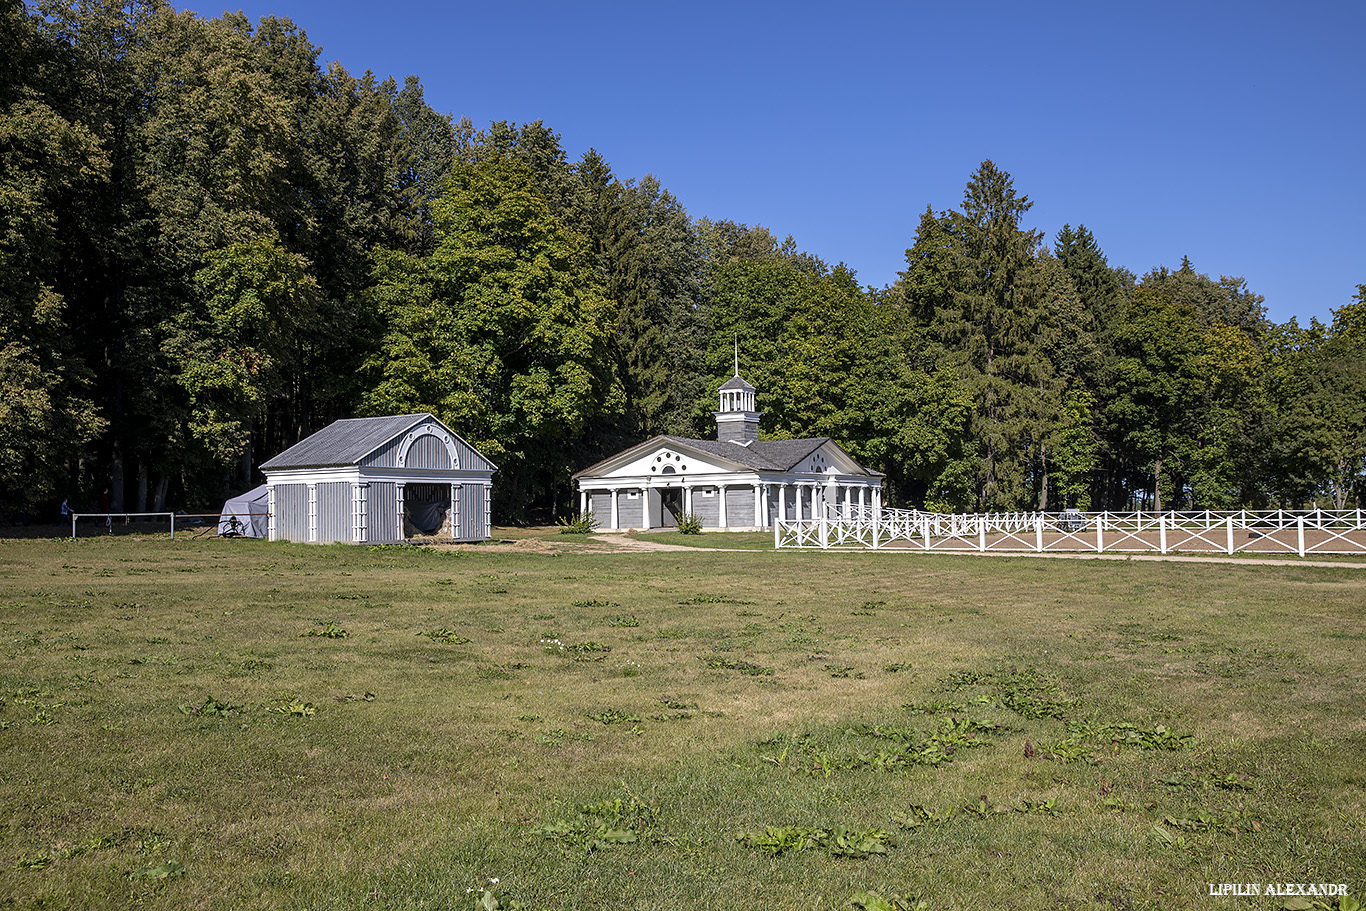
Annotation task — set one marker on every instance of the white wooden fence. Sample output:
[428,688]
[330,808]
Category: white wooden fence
[1300,532]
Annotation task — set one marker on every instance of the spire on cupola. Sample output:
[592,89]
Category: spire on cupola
[736,420]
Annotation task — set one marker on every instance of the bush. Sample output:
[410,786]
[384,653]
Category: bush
[579,524]
[689,524]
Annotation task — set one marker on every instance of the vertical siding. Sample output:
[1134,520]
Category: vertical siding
[291,512]
[740,506]
[600,504]
[382,511]
[429,452]
[708,508]
[472,512]
[630,512]
[334,511]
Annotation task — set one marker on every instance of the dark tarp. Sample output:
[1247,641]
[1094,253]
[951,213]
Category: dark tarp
[426,517]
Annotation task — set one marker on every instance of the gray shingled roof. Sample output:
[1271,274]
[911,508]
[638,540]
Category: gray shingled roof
[763,455]
[770,455]
[344,442]
[736,383]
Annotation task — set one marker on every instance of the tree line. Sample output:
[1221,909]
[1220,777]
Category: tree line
[211,245]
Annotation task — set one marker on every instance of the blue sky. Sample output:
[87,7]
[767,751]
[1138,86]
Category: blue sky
[1229,132]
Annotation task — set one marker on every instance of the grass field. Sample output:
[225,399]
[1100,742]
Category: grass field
[238,724]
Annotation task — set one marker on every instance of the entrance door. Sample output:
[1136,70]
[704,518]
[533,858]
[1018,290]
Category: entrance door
[671,499]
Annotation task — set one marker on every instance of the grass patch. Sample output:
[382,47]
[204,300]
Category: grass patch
[719,730]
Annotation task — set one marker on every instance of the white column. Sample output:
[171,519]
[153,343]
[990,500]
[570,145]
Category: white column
[782,501]
[616,522]
[721,493]
[488,510]
[360,504]
[877,502]
[687,499]
[270,518]
[583,502]
[758,517]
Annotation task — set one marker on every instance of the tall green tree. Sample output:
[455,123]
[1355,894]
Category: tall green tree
[994,313]
[502,332]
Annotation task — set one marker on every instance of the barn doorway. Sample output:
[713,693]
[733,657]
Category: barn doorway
[425,509]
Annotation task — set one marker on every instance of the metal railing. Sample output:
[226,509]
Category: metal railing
[1282,531]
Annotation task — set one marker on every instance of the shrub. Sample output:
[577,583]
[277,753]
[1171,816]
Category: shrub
[690,524]
[579,524]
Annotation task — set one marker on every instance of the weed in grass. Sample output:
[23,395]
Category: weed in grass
[1047,807]
[328,630]
[844,673]
[713,599]
[918,816]
[167,870]
[211,708]
[897,667]
[448,636]
[624,620]
[295,708]
[36,861]
[841,841]
[612,822]
[612,716]
[872,901]
[593,602]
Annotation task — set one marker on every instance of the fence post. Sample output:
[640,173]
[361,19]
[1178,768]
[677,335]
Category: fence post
[982,533]
[1301,535]
[1162,532]
[172,526]
[1038,533]
[777,533]
[1100,533]
[824,532]
[1230,534]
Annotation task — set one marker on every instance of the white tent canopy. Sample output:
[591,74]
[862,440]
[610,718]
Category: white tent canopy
[246,515]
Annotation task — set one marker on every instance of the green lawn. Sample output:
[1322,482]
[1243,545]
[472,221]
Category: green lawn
[238,724]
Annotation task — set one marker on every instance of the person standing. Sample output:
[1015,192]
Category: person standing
[66,510]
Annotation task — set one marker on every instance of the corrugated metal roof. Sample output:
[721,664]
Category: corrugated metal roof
[344,442]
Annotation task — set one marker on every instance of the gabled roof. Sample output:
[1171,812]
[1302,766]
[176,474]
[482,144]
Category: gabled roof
[762,455]
[345,442]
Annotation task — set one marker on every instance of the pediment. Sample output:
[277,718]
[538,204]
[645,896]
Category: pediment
[661,457]
[829,458]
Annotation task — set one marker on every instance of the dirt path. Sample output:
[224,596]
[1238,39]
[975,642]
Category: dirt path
[627,543]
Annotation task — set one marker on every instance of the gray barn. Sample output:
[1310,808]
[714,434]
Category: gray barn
[378,480]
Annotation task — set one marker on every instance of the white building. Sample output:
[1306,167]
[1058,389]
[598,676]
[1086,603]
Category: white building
[736,481]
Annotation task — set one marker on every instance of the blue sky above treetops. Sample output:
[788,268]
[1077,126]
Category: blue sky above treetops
[1229,132]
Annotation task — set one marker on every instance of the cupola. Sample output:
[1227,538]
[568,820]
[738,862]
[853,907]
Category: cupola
[736,420]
